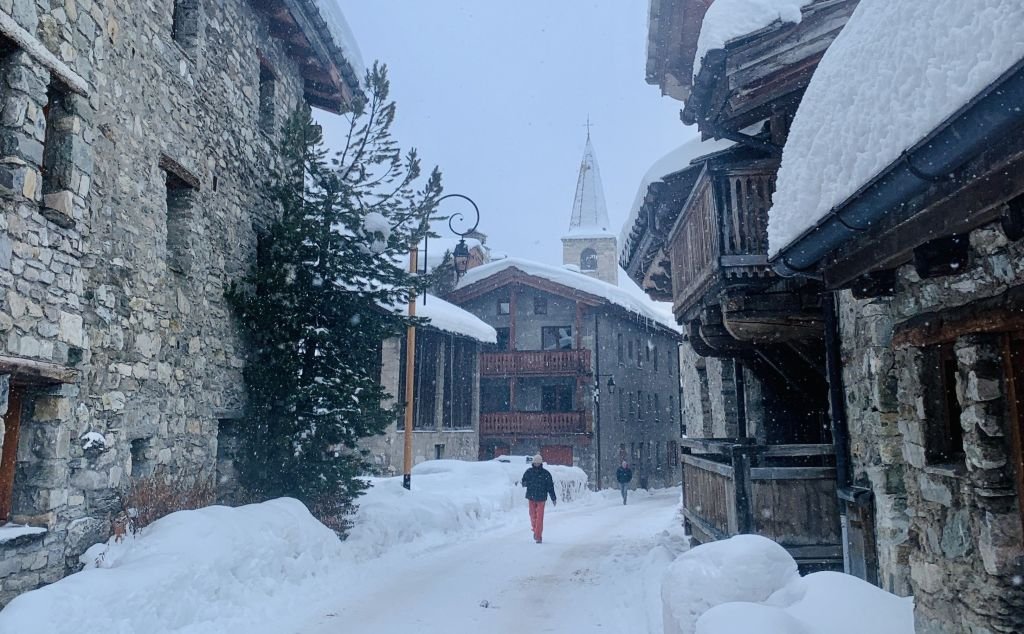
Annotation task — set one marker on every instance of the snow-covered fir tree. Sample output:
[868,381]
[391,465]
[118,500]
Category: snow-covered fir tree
[320,300]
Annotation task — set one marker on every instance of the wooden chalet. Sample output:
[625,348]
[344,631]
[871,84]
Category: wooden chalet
[700,239]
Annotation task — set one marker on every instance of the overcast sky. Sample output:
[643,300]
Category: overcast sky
[497,95]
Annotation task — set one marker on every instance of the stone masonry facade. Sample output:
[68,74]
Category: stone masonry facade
[948,531]
[121,226]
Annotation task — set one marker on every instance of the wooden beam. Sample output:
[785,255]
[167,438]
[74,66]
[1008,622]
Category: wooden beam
[29,371]
[793,473]
[1002,313]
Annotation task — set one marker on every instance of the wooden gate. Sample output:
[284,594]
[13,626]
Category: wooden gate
[557,454]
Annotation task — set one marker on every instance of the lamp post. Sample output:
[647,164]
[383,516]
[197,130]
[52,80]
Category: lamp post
[461,257]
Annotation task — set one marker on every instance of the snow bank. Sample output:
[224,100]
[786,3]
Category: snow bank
[627,295]
[743,568]
[729,19]
[860,112]
[209,570]
[750,584]
[447,496]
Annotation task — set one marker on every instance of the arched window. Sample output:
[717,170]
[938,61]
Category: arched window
[588,260]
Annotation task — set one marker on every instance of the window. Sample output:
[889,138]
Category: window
[426,379]
[438,451]
[650,407]
[618,347]
[556,338]
[656,359]
[672,451]
[632,404]
[622,407]
[9,451]
[142,458]
[540,305]
[639,355]
[648,349]
[943,434]
[671,408]
[268,88]
[56,144]
[622,451]
[181,188]
[460,363]
[494,395]
[588,260]
[657,454]
[631,349]
[556,398]
[503,339]
[504,307]
[185,23]
[640,403]
[657,406]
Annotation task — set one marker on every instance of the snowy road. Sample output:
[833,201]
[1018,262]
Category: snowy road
[598,570]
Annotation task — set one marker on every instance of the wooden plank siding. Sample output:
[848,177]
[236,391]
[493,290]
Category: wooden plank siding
[795,511]
[709,493]
[542,362]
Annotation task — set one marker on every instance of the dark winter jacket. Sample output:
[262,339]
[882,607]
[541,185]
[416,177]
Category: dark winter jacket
[624,475]
[539,484]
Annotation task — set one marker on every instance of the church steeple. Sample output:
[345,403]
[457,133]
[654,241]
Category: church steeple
[590,244]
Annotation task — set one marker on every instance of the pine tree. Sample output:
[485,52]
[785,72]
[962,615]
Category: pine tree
[315,306]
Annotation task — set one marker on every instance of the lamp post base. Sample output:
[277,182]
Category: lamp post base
[407,481]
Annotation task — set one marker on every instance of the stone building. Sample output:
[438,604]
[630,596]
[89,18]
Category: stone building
[922,246]
[585,370]
[446,418]
[134,140]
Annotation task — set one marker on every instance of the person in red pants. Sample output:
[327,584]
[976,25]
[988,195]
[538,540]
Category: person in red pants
[539,485]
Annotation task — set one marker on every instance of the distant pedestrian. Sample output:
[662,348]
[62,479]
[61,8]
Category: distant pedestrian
[539,485]
[624,475]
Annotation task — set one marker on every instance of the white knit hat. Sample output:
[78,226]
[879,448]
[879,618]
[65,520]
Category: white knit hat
[538,459]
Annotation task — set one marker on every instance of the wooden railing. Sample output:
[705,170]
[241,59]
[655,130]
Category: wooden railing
[784,492]
[532,423]
[723,232]
[537,362]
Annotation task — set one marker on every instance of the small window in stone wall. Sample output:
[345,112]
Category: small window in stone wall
[56,148]
[181,192]
[142,461]
[268,89]
[943,435]
[588,260]
[185,23]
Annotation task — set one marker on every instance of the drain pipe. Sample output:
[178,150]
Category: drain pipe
[837,415]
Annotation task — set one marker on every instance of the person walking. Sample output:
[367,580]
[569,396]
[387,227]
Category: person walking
[539,485]
[624,475]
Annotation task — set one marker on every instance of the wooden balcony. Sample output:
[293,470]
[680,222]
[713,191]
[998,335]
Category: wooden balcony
[535,363]
[721,237]
[786,493]
[532,423]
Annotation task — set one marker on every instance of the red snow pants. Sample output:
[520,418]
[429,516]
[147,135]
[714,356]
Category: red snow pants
[537,518]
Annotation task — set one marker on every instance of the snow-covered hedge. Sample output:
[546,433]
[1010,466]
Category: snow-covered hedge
[446,496]
[750,584]
[192,567]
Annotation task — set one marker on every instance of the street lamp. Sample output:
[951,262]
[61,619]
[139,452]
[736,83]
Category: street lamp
[461,256]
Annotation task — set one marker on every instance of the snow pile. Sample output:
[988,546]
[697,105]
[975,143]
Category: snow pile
[627,295]
[340,32]
[450,318]
[210,570]
[860,112]
[93,440]
[447,497]
[729,19]
[10,531]
[750,584]
[675,161]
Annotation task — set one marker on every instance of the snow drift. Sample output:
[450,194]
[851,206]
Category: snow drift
[750,584]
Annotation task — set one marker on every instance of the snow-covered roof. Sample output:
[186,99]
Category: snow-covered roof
[589,211]
[924,62]
[452,319]
[727,20]
[341,34]
[626,295]
[676,160]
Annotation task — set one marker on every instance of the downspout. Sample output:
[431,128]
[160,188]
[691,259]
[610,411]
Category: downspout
[840,424]
[597,381]
[992,116]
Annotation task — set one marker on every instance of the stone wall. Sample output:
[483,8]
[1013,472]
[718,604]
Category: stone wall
[956,523]
[607,256]
[103,270]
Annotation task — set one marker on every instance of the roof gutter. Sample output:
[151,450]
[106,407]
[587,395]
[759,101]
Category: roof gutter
[984,121]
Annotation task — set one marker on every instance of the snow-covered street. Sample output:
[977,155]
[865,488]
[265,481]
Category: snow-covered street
[599,569]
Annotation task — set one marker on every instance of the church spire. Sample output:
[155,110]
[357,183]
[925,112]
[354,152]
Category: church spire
[589,212]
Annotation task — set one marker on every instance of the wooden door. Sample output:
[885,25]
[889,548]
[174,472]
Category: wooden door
[557,454]
[9,452]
